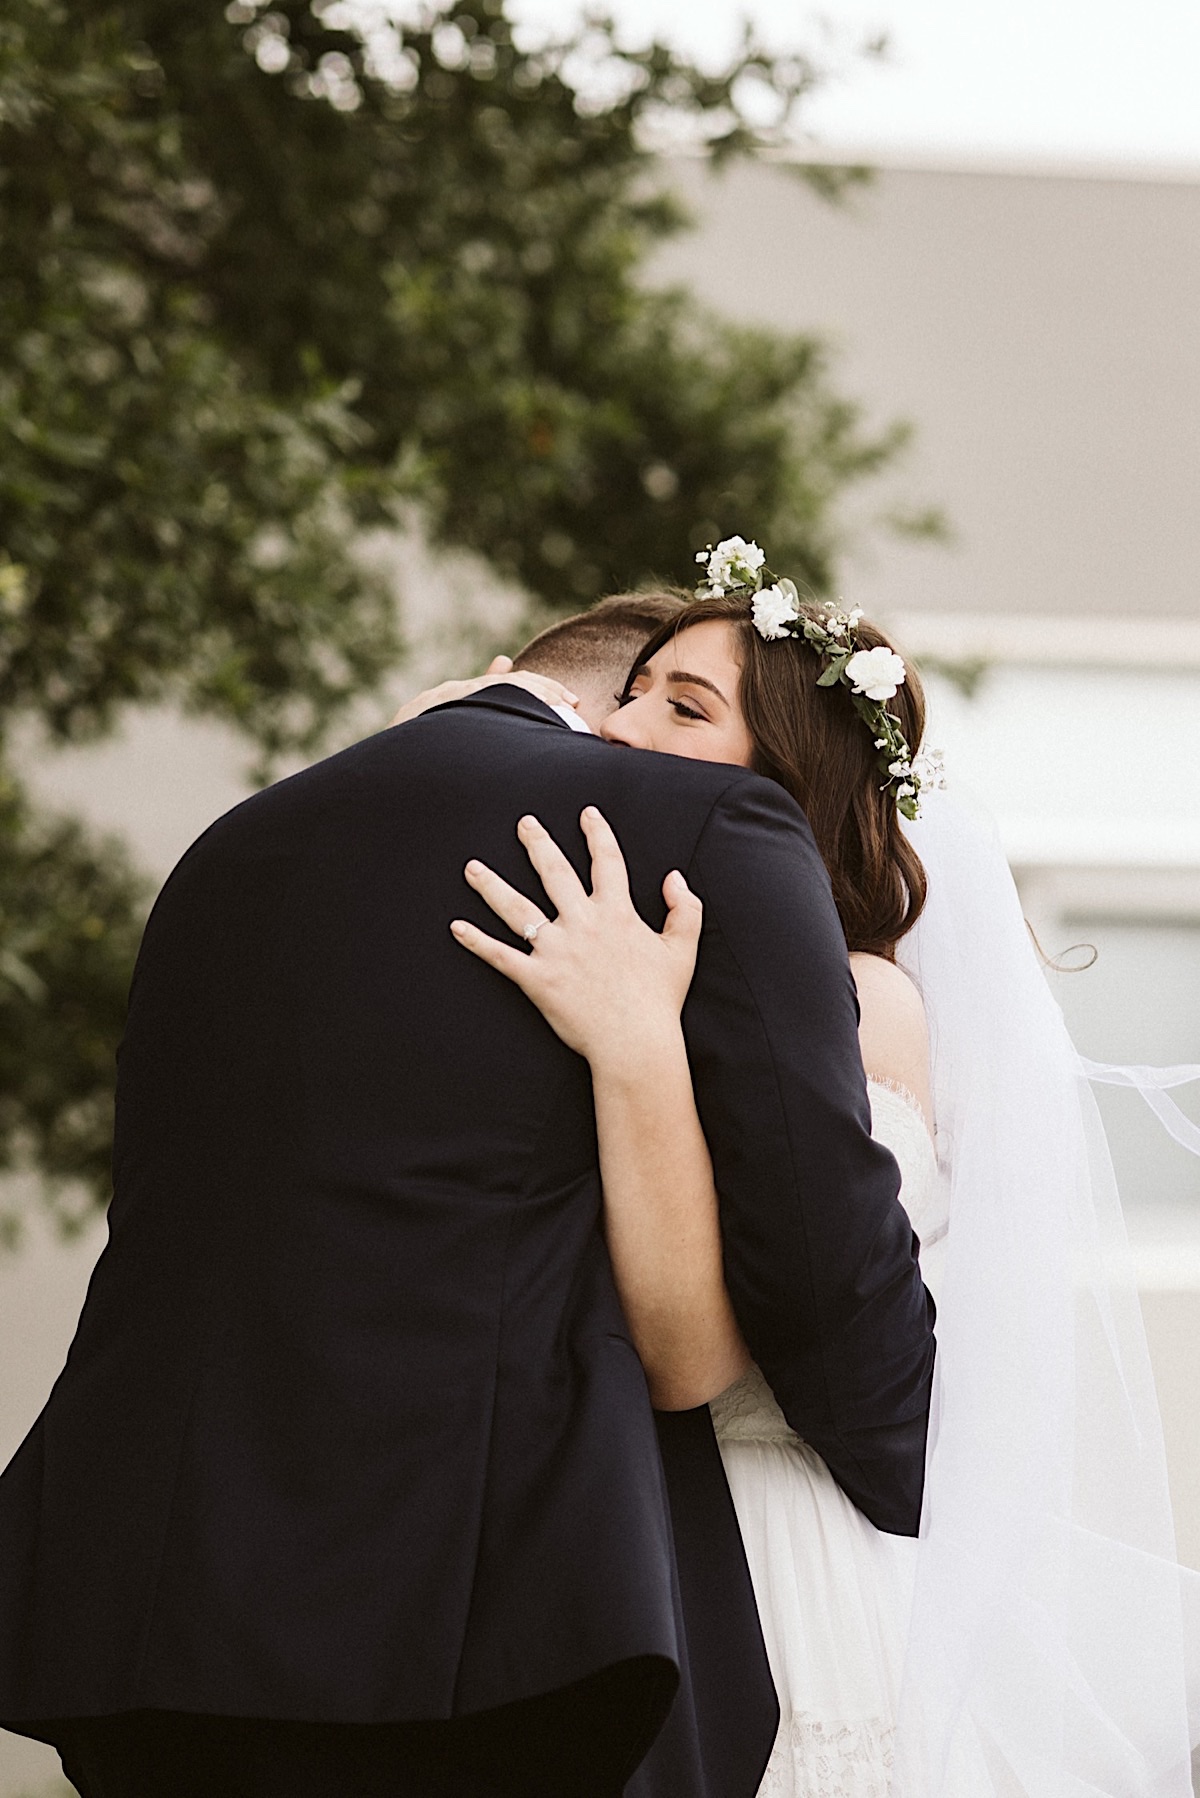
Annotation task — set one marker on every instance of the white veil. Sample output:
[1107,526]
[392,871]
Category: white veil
[1051,1629]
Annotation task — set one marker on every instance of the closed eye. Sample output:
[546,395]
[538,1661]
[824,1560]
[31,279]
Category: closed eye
[685,711]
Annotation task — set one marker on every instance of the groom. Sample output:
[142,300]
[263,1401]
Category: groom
[351,1483]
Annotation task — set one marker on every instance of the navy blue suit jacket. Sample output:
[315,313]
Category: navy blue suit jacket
[352,1428]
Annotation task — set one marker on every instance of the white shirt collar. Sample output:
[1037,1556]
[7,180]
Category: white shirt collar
[570,716]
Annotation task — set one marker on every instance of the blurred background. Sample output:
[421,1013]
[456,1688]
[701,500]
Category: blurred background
[343,342]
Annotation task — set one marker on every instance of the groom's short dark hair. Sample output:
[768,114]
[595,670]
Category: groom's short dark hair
[606,637]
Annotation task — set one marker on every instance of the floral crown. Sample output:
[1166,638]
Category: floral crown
[873,676]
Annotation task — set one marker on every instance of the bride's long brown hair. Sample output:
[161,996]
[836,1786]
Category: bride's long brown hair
[813,743]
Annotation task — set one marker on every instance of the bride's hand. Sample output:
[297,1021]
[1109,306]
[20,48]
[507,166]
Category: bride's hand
[499,669]
[603,980]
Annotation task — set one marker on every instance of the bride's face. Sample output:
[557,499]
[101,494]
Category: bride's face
[684,700]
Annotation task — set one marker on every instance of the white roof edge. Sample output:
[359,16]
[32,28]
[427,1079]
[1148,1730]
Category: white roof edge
[1044,847]
[1167,1266]
[1169,644]
[935,160]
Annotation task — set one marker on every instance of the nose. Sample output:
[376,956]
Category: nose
[625,725]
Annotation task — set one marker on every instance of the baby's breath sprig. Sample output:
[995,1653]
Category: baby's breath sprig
[872,676]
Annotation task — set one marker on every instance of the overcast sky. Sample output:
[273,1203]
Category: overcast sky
[1079,80]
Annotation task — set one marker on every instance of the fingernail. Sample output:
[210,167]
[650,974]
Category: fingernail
[528,822]
[571,698]
[458,927]
[474,867]
[589,811]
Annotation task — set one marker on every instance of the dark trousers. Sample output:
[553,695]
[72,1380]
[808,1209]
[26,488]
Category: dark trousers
[528,1750]
[161,1754]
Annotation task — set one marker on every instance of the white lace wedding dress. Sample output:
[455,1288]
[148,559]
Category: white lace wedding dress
[833,1592]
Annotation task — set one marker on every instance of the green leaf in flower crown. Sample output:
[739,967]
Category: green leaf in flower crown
[833,673]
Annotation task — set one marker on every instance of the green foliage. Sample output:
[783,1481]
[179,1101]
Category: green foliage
[180,529]
[458,225]
[270,271]
[70,915]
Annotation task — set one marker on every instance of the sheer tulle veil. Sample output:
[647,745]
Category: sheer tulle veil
[1052,1634]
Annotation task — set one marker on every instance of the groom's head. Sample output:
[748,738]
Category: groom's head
[593,652]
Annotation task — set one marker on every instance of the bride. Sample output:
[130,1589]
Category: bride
[1032,1643]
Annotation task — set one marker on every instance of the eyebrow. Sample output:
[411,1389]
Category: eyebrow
[696,680]
[643,671]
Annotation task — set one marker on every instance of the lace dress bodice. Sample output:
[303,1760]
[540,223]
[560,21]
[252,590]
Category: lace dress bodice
[747,1410]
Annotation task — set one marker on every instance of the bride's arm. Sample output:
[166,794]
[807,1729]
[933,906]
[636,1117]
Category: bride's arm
[613,989]
[499,669]
[660,1207]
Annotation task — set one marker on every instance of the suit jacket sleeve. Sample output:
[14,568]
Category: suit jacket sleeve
[820,1258]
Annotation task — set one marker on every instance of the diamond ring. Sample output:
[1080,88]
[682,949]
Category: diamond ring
[531,930]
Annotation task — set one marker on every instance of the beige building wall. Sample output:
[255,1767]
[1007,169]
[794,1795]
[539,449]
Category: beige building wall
[1041,333]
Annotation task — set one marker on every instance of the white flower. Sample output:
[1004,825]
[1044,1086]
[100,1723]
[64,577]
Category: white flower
[734,563]
[930,769]
[900,768]
[905,790]
[773,610]
[875,672]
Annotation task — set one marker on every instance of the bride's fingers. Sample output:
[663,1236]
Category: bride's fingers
[544,687]
[499,672]
[685,914]
[562,884]
[511,907]
[610,876]
[439,695]
[513,963]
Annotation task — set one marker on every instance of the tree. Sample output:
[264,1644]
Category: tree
[71,912]
[268,273]
[572,427]
[179,528]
